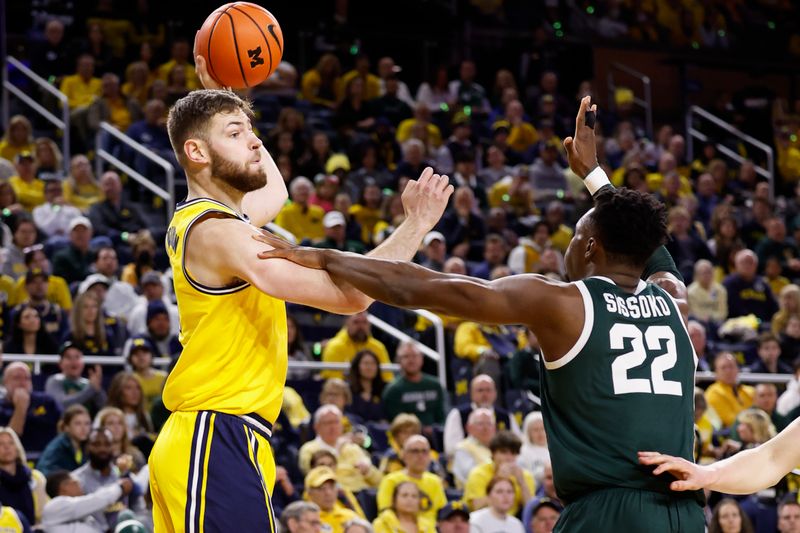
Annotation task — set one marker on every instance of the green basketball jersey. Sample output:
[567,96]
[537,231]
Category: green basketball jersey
[626,385]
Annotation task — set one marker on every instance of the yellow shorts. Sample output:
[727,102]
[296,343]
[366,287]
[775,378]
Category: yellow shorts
[212,472]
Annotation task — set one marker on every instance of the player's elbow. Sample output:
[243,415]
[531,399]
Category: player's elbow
[355,305]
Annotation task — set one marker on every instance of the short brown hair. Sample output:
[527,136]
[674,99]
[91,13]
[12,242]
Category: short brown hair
[191,115]
[505,441]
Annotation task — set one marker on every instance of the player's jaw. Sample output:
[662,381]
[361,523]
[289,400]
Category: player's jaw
[244,177]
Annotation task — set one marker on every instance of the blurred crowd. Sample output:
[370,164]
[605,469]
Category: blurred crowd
[84,274]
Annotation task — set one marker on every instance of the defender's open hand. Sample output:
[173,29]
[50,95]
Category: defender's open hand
[425,199]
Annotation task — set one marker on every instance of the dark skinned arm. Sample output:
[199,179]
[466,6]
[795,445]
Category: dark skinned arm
[582,154]
[509,300]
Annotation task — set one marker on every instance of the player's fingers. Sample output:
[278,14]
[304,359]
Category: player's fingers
[276,253]
[682,485]
[569,146]
[669,466]
[444,181]
[425,177]
[651,458]
[580,119]
[271,239]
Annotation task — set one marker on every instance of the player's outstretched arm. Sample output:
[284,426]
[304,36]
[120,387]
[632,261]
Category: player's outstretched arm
[510,300]
[744,473]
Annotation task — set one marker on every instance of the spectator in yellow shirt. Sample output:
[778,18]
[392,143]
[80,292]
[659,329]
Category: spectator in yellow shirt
[28,188]
[505,448]
[521,135]
[113,106]
[18,138]
[57,288]
[422,118]
[138,80]
[372,83]
[300,218]
[82,87]
[320,484]
[354,468]
[417,458]
[404,513]
[725,396]
[560,233]
[356,335]
[151,379]
[81,188]
[322,85]
[179,53]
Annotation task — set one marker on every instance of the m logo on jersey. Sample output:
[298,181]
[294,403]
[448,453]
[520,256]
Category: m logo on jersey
[255,57]
[172,238]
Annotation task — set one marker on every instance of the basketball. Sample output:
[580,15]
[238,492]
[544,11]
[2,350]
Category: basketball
[242,44]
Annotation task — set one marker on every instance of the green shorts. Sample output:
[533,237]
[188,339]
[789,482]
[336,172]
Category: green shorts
[616,510]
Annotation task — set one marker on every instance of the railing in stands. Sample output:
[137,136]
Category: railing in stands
[163,362]
[102,154]
[104,360]
[695,115]
[437,355]
[60,123]
[746,377]
[645,103]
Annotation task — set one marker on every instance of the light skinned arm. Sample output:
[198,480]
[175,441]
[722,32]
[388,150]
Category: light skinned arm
[744,473]
[230,249]
[264,204]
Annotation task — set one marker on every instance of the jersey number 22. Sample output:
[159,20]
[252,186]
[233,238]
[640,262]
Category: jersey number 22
[641,343]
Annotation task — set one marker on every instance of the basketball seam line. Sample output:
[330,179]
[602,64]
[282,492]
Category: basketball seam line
[210,35]
[236,47]
[266,42]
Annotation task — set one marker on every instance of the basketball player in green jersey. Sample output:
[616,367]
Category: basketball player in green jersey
[618,363]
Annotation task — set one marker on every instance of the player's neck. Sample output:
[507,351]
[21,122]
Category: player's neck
[624,278]
[221,193]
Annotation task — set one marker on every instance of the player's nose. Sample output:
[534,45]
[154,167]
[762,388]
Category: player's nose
[255,142]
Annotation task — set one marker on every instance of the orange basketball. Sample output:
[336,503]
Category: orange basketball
[242,44]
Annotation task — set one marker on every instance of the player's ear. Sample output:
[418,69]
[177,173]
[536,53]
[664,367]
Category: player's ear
[196,151]
[591,249]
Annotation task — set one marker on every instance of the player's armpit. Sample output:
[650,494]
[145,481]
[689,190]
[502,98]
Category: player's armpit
[222,250]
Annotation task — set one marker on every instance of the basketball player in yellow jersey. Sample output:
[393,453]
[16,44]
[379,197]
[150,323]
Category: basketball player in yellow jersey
[211,467]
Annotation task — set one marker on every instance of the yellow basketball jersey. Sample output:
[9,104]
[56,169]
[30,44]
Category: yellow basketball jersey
[234,338]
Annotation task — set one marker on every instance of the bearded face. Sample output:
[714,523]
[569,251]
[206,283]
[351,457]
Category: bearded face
[244,177]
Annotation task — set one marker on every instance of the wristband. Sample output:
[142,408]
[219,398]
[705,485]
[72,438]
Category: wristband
[595,180]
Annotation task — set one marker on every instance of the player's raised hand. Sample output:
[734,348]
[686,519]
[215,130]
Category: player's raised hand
[202,70]
[581,149]
[425,199]
[690,475]
[303,256]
